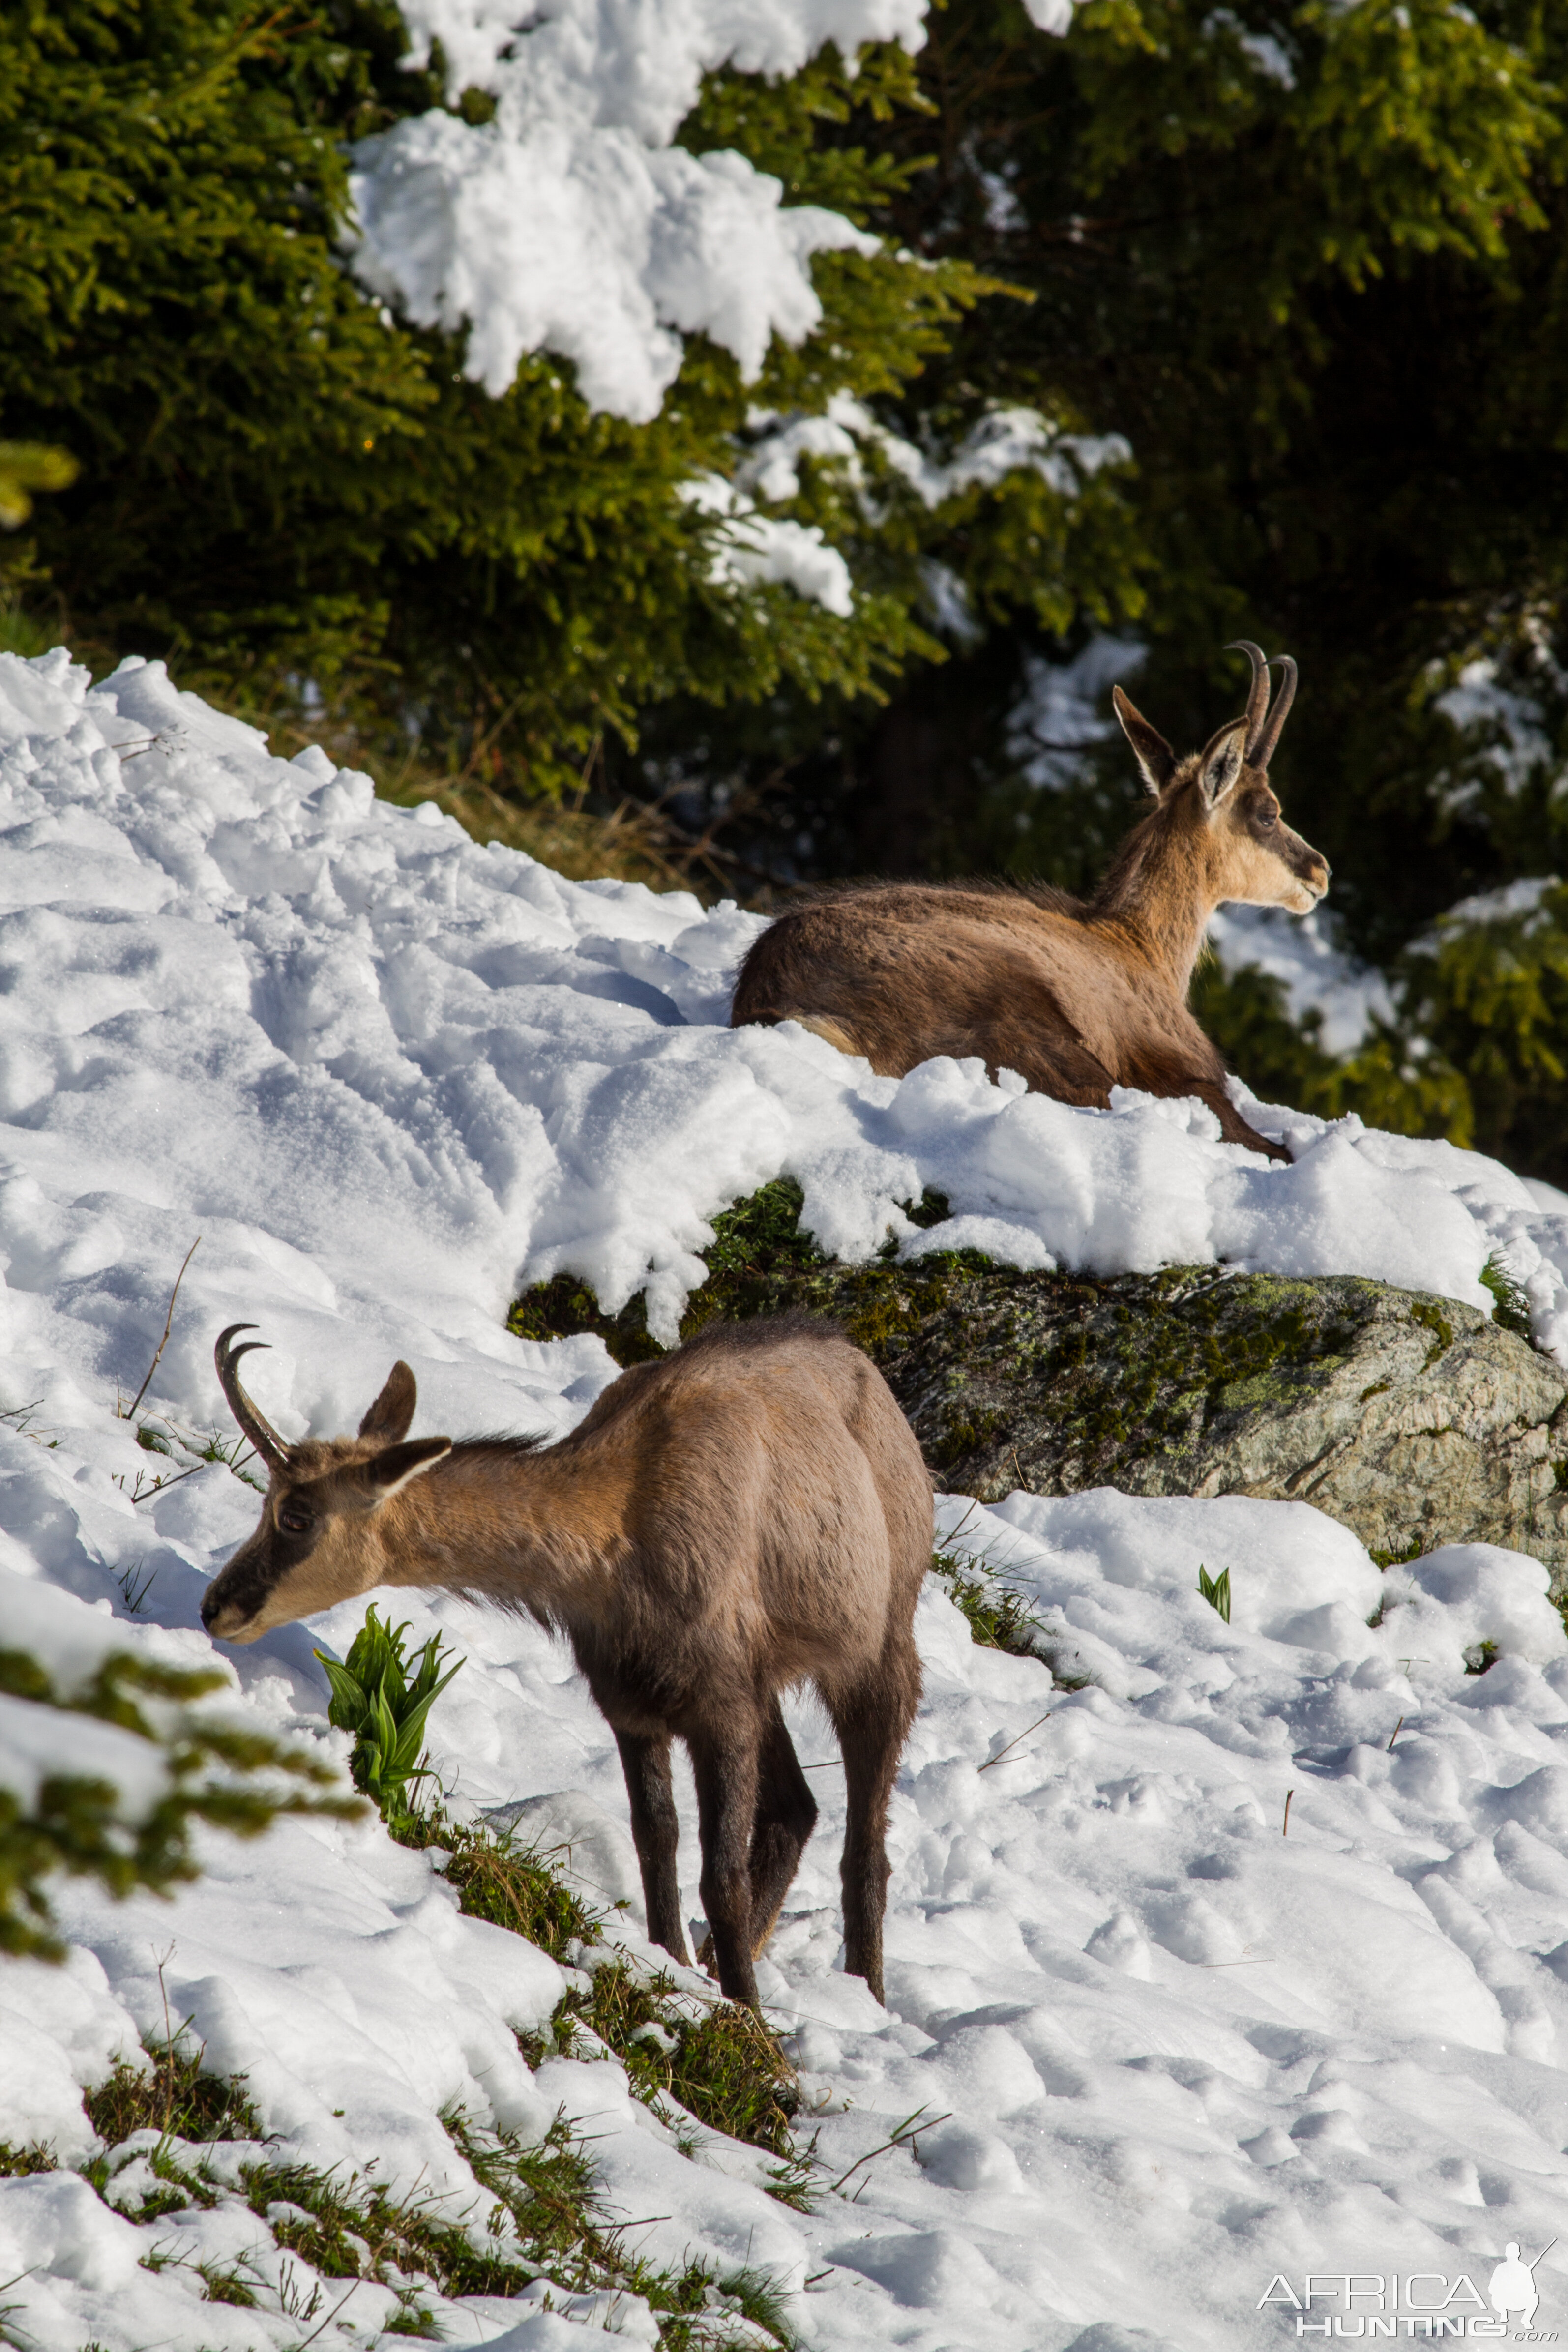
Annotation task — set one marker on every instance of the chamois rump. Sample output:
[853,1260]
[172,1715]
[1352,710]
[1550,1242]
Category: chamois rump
[747,1513]
[1077,998]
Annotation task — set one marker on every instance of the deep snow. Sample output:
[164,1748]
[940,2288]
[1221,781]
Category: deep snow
[388,1076]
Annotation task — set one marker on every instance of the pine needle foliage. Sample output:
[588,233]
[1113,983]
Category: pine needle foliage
[26,467]
[282,487]
[215,1771]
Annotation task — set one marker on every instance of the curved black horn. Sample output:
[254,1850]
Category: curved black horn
[1258,700]
[1263,749]
[260,1432]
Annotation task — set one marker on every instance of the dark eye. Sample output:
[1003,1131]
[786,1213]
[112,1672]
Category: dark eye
[1267,817]
[294,1519]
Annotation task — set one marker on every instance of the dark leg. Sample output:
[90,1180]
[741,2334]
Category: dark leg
[655,1833]
[786,1815]
[872,1726]
[726,1772]
[1232,1125]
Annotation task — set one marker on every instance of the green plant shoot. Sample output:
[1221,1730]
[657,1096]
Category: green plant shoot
[375,1697]
[1215,1591]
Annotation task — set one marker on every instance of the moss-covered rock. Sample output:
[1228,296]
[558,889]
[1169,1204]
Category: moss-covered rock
[1412,1420]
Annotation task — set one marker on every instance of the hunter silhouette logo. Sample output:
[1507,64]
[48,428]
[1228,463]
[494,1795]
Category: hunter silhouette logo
[1512,2289]
[1417,2302]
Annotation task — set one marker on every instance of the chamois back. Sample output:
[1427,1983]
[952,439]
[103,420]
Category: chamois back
[1075,997]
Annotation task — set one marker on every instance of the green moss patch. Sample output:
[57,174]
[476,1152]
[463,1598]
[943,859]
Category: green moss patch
[761,1263]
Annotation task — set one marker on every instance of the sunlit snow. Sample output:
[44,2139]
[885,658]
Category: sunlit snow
[1167,2055]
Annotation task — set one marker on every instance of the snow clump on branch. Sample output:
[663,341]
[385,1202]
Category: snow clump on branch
[569,222]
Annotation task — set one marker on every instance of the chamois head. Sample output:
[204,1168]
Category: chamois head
[1222,800]
[319,1540]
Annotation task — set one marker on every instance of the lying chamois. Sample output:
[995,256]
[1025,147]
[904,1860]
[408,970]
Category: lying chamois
[1076,998]
[749,1513]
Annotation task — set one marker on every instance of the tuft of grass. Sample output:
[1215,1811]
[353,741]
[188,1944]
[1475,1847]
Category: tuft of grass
[545,2219]
[1481,1657]
[759,2297]
[1399,1555]
[16,2163]
[159,1433]
[1215,1591]
[1510,1308]
[999,1619]
[134,1586]
[549,2194]
[181,2185]
[225,2286]
[542,2217]
[410,2319]
[349,2227]
[632,843]
[710,2296]
[386,1707]
[718,2060]
[175,2099]
[513,1886]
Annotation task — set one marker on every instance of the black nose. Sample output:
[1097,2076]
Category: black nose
[208,1610]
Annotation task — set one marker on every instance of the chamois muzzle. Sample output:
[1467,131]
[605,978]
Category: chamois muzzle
[311,1545]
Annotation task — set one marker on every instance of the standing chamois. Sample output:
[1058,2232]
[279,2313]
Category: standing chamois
[1076,998]
[749,1513]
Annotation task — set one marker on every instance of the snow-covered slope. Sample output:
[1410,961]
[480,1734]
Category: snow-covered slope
[390,1077]
[386,1077]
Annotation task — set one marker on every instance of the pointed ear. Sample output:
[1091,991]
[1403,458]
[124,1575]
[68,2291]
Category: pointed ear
[1156,761]
[390,1415]
[385,1474]
[1220,762]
